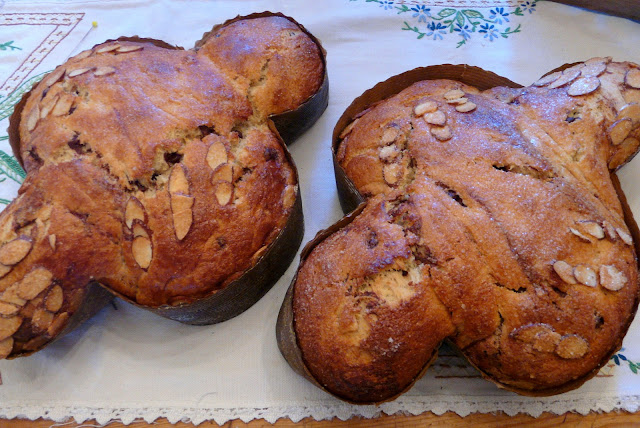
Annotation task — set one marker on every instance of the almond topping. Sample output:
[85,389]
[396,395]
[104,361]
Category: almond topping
[224,190]
[108,48]
[6,346]
[52,241]
[610,230]
[441,133]
[63,105]
[388,153]
[626,238]
[104,71]
[8,326]
[55,298]
[6,309]
[583,86]
[425,107]
[217,155]
[572,346]
[178,181]
[142,251]
[579,234]
[390,135]
[10,295]
[568,76]
[133,211]
[78,72]
[564,271]
[541,336]
[139,230]
[4,270]
[391,173]
[82,55]
[58,324]
[348,129]
[631,111]
[453,94]
[129,48]
[592,228]
[42,319]
[14,251]
[612,278]
[47,106]
[594,69]
[34,283]
[458,101]
[466,107]
[632,78]
[32,118]
[585,275]
[224,173]
[435,118]
[620,130]
[549,78]
[53,77]
[182,214]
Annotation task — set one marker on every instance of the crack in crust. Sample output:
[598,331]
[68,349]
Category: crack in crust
[511,217]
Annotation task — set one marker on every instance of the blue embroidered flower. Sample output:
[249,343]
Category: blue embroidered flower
[498,15]
[490,31]
[464,31]
[529,6]
[386,4]
[421,12]
[436,30]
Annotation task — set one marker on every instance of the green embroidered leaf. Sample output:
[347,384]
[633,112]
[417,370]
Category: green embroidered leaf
[9,44]
[446,12]
[517,12]
[10,167]
[7,104]
[460,19]
[6,137]
[5,201]
[633,367]
[472,14]
[402,9]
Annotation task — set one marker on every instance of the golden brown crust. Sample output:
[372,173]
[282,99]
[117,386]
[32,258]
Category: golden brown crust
[504,203]
[153,171]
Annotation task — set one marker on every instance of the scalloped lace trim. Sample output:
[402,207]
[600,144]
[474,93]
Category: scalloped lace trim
[343,411]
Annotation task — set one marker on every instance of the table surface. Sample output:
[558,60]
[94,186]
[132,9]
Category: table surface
[593,420]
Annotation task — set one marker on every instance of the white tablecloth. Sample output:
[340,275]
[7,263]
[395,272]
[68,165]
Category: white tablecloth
[126,363]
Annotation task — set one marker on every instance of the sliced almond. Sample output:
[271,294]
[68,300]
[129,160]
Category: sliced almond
[610,230]
[592,228]
[624,152]
[10,295]
[78,72]
[593,69]
[104,71]
[391,173]
[82,55]
[626,238]
[224,173]
[389,136]
[4,270]
[572,346]
[580,234]
[598,59]
[612,278]
[53,77]
[388,153]
[564,271]
[568,76]
[441,133]
[435,118]
[59,322]
[32,118]
[108,48]
[585,275]
[178,182]
[142,251]
[632,78]
[224,190]
[133,211]
[55,298]
[466,107]
[541,336]
[41,319]
[52,241]
[8,326]
[34,283]
[181,209]
[63,106]
[139,230]
[14,251]
[425,107]
[459,101]
[217,155]
[7,309]
[620,130]
[631,111]
[47,106]
[453,94]
[549,78]
[348,129]
[128,48]
[583,86]
[6,346]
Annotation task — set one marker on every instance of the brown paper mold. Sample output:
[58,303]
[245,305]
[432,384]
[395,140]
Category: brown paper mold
[489,216]
[159,175]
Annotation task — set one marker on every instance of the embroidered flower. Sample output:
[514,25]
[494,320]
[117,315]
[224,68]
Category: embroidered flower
[421,12]
[490,31]
[529,6]
[386,4]
[465,31]
[498,15]
[436,30]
